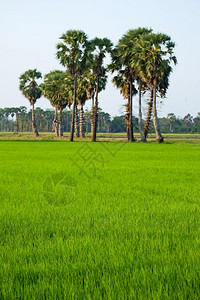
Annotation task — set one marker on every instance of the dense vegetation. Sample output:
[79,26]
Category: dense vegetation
[18,119]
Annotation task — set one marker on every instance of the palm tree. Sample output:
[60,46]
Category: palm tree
[154,53]
[127,91]
[17,111]
[121,62]
[39,114]
[56,88]
[31,90]
[23,112]
[172,119]
[1,116]
[100,48]
[7,113]
[49,88]
[124,80]
[12,113]
[90,90]
[148,117]
[74,53]
[81,98]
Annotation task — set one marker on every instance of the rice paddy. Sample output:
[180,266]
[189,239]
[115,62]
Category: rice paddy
[105,220]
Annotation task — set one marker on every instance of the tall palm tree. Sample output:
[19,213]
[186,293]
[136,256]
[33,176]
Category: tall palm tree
[121,62]
[31,90]
[74,53]
[154,53]
[100,48]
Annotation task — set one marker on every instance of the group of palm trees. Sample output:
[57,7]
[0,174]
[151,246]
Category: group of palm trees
[140,62]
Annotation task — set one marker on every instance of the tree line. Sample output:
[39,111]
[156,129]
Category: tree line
[19,119]
[140,63]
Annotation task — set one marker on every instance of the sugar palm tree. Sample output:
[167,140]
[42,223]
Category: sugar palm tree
[124,80]
[100,48]
[121,62]
[122,83]
[49,89]
[74,53]
[154,53]
[56,88]
[31,90]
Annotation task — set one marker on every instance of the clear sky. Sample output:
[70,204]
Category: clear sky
[30,30]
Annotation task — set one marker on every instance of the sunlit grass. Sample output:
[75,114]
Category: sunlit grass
[124,224]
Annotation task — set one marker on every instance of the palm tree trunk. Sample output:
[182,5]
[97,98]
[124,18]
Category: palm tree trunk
[95,114]
[127,119]
[55,122]
[131,137]
[33,122]
[148,119]
[17,123]
[92,113]
[76,122]
[159,136]
[71,138]
[60,123]
[143,139]
[82,122]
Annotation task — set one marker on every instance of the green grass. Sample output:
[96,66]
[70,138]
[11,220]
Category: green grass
[116,137]
[124,226]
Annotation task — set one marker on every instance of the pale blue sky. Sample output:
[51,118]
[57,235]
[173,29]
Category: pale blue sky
[30,31]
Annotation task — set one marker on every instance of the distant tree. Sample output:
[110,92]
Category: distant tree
[188,122]
[7,112]
[117,124]
[1,116]
[31,90]
[197,123]
[22,114]
[17,111]
[172,119]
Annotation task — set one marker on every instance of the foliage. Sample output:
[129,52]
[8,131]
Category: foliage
[29,86]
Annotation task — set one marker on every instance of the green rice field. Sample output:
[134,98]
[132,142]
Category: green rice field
[104,220]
